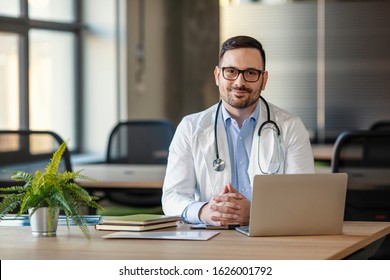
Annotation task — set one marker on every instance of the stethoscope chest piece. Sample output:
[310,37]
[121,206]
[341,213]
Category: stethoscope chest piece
[219,164]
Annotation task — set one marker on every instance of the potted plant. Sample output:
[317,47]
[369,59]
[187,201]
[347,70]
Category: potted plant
[45,193]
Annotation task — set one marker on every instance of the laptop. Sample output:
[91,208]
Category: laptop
[297,204]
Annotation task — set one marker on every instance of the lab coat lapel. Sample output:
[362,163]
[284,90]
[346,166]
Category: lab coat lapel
[207,144]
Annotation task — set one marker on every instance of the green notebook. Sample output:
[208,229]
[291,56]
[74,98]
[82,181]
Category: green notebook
[138,219]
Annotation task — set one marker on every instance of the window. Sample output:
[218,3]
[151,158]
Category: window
[9,105]
[10,8]
[39,66]
[52,81]
[52,10]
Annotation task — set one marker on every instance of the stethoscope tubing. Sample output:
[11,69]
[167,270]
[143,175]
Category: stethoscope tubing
[218,163]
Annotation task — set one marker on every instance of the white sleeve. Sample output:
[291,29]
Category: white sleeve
[180,180]
[299,155]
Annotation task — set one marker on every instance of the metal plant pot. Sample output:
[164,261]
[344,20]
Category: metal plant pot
[42,223]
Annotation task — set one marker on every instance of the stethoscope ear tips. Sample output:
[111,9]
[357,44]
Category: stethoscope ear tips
[218,165]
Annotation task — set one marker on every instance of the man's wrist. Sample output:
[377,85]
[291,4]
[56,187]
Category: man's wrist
[191,214]
[201,212]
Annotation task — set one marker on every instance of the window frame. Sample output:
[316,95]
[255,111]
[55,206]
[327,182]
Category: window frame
[21,26]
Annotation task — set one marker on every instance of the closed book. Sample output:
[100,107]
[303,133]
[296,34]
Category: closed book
[138,219]
[123,227]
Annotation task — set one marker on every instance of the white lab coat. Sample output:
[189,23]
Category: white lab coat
[190,175]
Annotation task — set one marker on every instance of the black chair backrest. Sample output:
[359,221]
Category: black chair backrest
[28,150]
[381,125]
[140,142]
[365,156]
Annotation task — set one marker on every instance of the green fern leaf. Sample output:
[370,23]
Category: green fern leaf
[9,204]
[52,167]
[13,189]
[22,176]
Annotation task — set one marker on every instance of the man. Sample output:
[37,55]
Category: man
[215,154]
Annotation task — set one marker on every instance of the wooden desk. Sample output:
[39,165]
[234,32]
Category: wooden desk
[322,152]
[122,175]
[18,243]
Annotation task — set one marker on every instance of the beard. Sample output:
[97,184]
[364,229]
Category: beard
[243,102]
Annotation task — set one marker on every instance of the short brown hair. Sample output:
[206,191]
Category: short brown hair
[238,42]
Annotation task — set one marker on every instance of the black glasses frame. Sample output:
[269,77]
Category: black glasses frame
[243,73]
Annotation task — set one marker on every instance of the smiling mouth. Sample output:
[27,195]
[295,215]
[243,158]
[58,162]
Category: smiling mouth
[240,90]
[240,93]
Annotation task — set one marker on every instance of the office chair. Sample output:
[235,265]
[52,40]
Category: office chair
[138,142]
[29,151]
[381,125]
[365,156]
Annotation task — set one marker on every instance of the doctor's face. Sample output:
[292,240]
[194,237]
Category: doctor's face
[242,92]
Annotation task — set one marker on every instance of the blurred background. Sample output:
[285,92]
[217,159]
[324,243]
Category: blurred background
[80,67]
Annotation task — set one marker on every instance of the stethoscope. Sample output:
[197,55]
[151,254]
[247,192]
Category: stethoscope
[219,164]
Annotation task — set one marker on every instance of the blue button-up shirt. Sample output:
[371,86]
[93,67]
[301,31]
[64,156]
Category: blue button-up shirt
[240,145]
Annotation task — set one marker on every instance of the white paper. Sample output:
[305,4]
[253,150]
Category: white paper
[174,235]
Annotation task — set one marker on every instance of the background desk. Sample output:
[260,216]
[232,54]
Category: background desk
[18,243]
[122,175]
[322,152]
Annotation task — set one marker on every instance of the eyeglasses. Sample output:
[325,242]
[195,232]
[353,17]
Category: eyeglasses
[250,75]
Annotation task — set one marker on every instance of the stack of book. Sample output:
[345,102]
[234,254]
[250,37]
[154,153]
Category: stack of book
[138,222]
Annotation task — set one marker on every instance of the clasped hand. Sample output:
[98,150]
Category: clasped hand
[229,207]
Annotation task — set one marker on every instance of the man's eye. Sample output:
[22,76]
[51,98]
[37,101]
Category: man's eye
[231,71]
[251,73]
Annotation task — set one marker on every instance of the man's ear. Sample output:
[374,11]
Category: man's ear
[264,80]
[216,75]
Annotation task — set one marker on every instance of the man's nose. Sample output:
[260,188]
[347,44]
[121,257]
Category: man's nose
[240,79]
